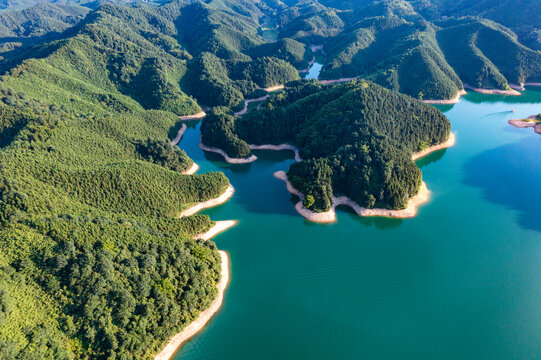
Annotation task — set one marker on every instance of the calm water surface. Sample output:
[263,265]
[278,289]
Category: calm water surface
[314,71]
[462,280]
[317,66]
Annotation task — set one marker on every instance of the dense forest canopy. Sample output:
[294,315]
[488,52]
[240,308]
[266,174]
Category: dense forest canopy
[93,261]
[355,139]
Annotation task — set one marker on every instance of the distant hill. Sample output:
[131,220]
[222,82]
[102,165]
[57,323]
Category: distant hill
[420,48]
[40,20]
[522,16]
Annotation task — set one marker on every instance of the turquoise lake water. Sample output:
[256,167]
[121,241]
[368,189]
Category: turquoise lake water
[462,280]
[314,71]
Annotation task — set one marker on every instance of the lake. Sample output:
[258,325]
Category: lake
[462,280]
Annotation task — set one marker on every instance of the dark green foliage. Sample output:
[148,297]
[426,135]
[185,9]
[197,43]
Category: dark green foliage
[313,178]
[424,74]
[267,72]
[153,90]
[163,153]
[356,138]
[11,122]
[218,82]
[111,297]
[211,84]
[313,25]
[487,55]
[223,33]
[217,130]
[292,51]
[97,264]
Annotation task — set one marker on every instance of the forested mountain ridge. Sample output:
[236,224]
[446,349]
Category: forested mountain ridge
[521,16]
[405,45]
[40,20]
[425,49]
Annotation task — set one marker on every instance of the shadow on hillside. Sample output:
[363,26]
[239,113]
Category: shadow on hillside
[509,175]
[431,158]
[38,47]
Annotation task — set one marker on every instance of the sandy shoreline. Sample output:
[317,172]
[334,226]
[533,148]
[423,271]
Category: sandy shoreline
[522,123]
[493,91]
[278,148]
[199,115]
[328,82]
[209,203]
[228,159]
[219,227]
[521,87]
[274,88]
[330,216]
[454,100]
[246,102]
[444,145]
[192,170]
[252,158]
[517,87]
[195,326]
[176,140]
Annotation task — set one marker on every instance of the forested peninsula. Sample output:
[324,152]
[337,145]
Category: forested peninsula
[355,139]
[103,254]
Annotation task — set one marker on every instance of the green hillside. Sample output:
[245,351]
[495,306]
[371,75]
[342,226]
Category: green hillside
[522,16]
[93,262]
[487,55]
[405,46]
[40,20]
[292,51]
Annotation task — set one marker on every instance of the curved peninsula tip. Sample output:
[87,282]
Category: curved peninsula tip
[533,121]
[509,92]
[454,100]
[209,203]
[218,228]
[192,170]
[330,216]
[194,327]
[429,150]
[228,159]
